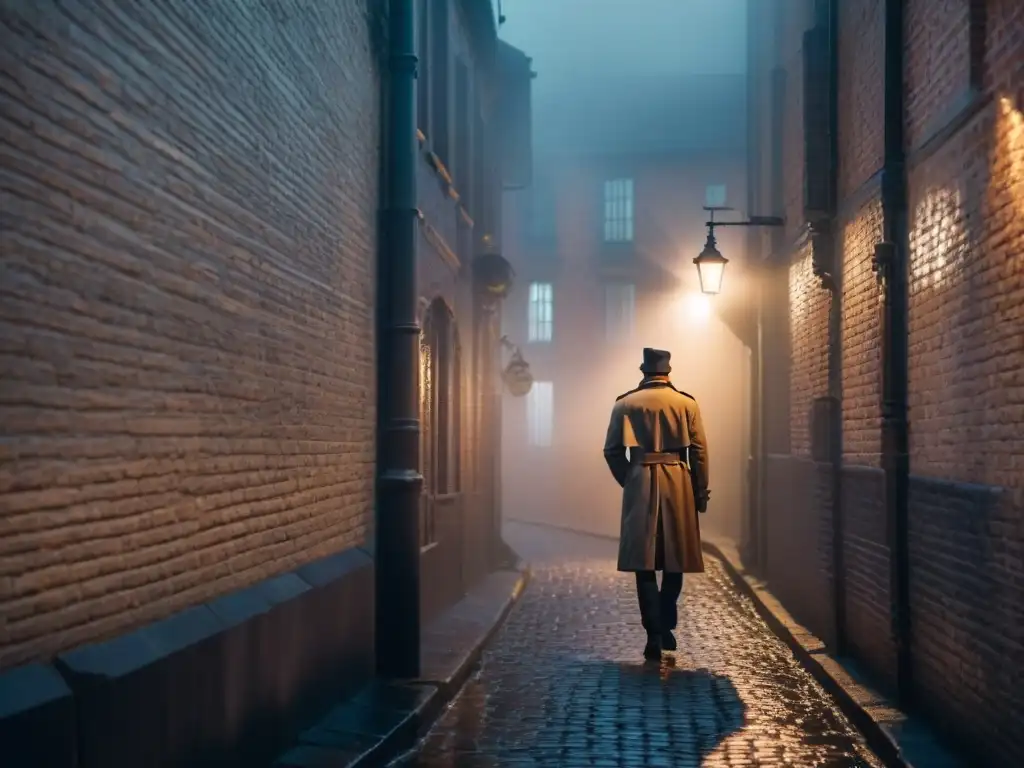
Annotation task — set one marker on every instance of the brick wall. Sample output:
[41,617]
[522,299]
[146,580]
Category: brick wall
[808,307]
[187,320]
[861,120]
[965,124]
[861,326]
[966,212]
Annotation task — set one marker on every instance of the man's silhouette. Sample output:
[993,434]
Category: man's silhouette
[664,482]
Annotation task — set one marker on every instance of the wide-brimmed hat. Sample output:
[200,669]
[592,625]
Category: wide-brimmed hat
[656,361]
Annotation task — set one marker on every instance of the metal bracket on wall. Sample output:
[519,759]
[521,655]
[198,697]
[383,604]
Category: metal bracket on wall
[882,261]
[823,256]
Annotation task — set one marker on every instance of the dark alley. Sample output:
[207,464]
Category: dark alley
[562,685]
[485,383]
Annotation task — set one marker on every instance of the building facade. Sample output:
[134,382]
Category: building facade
[890,135]
[191,331]
[603,243]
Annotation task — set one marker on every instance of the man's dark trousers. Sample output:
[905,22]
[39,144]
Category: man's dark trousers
[658,608]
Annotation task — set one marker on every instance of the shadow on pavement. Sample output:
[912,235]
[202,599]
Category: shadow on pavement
[638,714]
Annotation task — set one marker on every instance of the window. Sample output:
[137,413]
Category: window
[618,211]
[714,196]
[620,308]
[540,413]
[539,313]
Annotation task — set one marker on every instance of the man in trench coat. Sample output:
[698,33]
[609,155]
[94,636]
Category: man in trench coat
[665,486]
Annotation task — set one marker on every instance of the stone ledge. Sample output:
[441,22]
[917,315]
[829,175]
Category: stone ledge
[386,718]
[225,682]
[899,739]
[37,718]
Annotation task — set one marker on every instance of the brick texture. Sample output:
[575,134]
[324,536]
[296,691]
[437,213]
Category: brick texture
[968,613]
[937,62]
[861,114]
[189,195]
[965,126]
[967,389]
[808,306]
[861,326]
[866,562]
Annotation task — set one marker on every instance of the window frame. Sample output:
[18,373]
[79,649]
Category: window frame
[716,202]
[540,313]
[619,219]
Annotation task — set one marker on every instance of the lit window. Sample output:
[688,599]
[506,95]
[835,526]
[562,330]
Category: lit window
[540,406]
[714,196]
[619,310]
[540,315]
[618,211]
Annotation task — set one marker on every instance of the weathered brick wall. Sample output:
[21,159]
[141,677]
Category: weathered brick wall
[808,307]
[187,319]
[966,348]
[860,332]
[861,117]
[967,614]
[966,392]
[937,62]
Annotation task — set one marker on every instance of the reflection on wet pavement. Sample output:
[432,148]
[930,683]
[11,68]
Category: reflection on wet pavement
[564,684]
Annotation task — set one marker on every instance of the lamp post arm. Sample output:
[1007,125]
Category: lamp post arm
[753,221]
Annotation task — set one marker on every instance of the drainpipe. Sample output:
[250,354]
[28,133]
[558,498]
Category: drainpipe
[756,460]
[399,482]
[835,345]
[891,263]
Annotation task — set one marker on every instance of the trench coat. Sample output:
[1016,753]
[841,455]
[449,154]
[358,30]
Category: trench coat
[667,470]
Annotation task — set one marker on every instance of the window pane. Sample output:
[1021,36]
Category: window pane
[715,195]
[540,312]
[618,210]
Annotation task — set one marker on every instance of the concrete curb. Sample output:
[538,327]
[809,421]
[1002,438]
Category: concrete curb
[405,736]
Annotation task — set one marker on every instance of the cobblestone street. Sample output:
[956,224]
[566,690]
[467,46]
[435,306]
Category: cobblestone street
[564,683]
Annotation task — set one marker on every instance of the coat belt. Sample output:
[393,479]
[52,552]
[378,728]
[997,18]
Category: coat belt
[651,458]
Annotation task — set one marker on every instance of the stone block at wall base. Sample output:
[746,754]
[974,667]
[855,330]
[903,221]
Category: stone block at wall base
[798,530]
[37,719]
[867,570]
[967,613]
[231,681]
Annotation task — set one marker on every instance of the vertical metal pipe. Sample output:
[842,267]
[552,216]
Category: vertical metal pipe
[835,345]
[399,480]
[892,257]
[756,460]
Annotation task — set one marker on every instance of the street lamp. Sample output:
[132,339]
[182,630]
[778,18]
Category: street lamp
[710,266]
[711,263]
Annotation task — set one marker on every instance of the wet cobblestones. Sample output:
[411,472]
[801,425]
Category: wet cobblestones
[563,684]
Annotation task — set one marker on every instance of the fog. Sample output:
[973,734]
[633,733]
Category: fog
[651,90]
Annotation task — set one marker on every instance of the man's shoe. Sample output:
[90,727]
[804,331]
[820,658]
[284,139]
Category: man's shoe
[653,648]
[668,641]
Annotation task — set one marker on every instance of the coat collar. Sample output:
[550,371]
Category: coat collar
[654,383]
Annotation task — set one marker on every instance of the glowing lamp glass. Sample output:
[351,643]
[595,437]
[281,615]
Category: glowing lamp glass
[710,268]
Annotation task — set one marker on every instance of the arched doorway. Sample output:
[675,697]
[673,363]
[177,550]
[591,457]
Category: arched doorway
[440,420]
